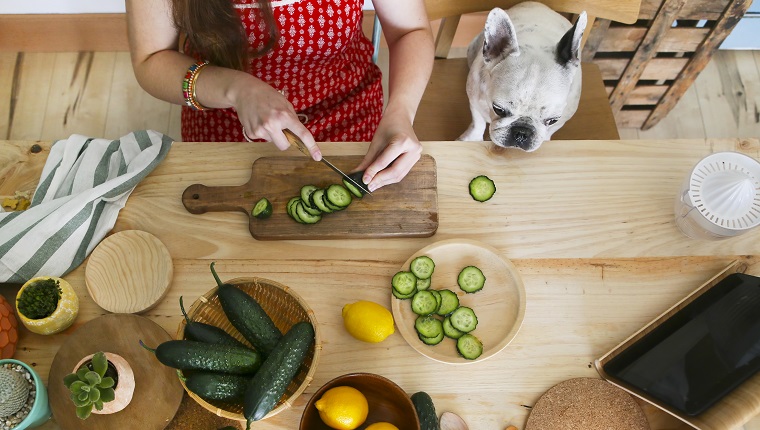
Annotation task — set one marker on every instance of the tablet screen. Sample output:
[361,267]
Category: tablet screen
[702,352]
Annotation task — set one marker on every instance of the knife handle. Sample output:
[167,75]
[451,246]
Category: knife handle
[296,141]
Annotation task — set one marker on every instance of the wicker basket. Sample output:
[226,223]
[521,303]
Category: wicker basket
[285,307]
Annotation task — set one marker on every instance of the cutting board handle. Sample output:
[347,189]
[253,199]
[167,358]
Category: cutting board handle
[199,198]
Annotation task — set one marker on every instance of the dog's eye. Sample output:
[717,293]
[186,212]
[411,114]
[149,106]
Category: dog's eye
[550,121]
[500,111]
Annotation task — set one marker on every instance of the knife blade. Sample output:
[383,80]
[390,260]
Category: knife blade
[298,143]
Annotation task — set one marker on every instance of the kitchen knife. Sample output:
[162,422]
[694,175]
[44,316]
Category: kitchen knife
[298,143]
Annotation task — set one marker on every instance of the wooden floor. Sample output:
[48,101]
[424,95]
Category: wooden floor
[49,96]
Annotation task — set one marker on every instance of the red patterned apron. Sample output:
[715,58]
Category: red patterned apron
[323,64]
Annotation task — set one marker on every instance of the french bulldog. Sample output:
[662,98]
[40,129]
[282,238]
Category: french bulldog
[526,90]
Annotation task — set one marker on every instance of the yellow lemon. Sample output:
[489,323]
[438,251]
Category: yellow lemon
[368,321]
[343,408]
[382,426]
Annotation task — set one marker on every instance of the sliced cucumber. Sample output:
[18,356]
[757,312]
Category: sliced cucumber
[262,209]
[423,284]
[424,303]
[329,204]
[338,195]
[471,279]
[305,216]
[398,295]
[422,267]
[432,340]
[290,205]
[469,346]
[449,302]
[449,329]
[482,188]
[464,319]
[357,192]
[318,202]
[306,191]
[437,298]
[428,326]
[404,282]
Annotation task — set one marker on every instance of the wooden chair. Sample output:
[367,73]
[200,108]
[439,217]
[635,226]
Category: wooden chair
[444,112]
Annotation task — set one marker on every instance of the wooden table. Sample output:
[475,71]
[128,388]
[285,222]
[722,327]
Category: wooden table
[588,224]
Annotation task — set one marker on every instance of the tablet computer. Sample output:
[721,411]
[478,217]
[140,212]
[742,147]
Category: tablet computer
[701,352]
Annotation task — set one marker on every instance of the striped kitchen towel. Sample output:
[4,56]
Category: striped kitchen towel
[84,184]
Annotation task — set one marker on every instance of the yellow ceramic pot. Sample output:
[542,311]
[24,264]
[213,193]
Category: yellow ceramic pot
[63,315]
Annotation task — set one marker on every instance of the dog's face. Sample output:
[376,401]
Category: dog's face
[530,92]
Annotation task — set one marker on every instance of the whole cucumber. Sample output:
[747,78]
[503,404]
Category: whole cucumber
[425,408]
[269,384]
[193,355]
[208,333]
[247,316]
[217,386]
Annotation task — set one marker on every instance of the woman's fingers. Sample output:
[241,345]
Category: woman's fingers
[393,164]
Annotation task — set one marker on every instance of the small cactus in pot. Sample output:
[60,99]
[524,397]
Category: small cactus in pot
[90,388]
[14,390]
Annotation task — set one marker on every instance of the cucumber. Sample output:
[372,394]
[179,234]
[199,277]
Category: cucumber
[207,333]
[469,347]
[449,330]
[217,386]
[338,195]
[423,284]
[304,215]
[471,279]
[449,302]
[317,200]
[428,326]
[431,340]
[305,193]
[422,267]
[425,408]
[482,188]
[194,355]
[247,316]
[424,303]
[400,296]
[464,319]
[262,209]
[356,191]
[437,298]
[358,177]
[269,384]
[404,282]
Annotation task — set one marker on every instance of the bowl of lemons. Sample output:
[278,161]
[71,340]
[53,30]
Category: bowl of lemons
[363,401]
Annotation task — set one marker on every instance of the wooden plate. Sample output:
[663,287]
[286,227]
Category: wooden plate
[129,272]
[499,306]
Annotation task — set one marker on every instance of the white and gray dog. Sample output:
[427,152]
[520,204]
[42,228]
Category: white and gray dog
[525,90]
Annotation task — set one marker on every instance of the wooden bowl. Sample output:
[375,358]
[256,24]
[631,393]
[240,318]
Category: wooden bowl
[285,307]
[387,402]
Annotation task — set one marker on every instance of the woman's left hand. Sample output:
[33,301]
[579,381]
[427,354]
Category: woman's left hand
[392,154]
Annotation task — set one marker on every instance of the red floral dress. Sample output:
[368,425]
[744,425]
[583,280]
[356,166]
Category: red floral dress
[323,65]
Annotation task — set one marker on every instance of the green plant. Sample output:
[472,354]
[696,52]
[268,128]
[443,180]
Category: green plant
[14,390]
[40,299]
[90,388]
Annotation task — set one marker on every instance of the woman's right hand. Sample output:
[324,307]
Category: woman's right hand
[264,113]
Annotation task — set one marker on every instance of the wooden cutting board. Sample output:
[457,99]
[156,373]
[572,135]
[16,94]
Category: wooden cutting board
[406,209]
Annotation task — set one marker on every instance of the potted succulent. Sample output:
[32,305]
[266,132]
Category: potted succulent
[23,397]
[47,305]
[101,383]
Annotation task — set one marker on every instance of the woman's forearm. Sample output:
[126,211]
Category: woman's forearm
[411,62]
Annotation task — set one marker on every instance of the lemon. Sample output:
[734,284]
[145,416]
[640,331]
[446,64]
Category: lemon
[343,408]
[368,321]
[382,426]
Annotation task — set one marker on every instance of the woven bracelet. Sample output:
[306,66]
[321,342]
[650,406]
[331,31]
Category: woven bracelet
[188,85]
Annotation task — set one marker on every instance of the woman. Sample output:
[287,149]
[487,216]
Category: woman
[302,65]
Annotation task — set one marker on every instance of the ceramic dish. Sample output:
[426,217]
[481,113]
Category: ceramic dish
[499,306]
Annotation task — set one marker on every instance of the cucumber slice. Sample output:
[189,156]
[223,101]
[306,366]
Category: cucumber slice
[469,346]
[437,298]
[449,302]
[305,216]
[357,192]
[306,191]
[330,205]
[262,209]
[482,188]
[338,195]
[464,319]
[404,282]
[431,340]
[423,284]
[428,326]
[424,303]
[422,267]
[292,209]
[317,202]
[400,296]
[471,279]
[449,329]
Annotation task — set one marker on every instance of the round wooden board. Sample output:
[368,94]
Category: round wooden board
[158,392]
[587,403]
[499,306]
[129,272]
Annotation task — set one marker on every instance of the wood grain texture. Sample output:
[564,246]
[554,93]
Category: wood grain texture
[31,94]
[64,32]
[129,272]
[406,209]
[158,392]
[622,11]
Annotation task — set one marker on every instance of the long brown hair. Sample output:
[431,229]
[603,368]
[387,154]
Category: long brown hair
[214,30]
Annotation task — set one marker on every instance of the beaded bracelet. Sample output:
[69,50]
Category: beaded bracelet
[188,85]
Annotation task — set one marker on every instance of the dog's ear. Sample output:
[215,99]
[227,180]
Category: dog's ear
[569,47]
[499,36]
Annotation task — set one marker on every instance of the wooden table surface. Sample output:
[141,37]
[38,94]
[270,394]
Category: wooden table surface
[588,224]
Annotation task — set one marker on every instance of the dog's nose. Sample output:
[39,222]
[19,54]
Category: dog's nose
[521,136]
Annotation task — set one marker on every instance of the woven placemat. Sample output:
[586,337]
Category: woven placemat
[587,404]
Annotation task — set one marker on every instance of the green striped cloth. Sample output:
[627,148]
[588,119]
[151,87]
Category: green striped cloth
[84,184]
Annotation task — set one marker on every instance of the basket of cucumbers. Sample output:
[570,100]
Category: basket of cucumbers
[262,342]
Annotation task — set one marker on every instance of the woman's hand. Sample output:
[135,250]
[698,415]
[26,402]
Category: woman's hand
[392,154]
[264,113]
